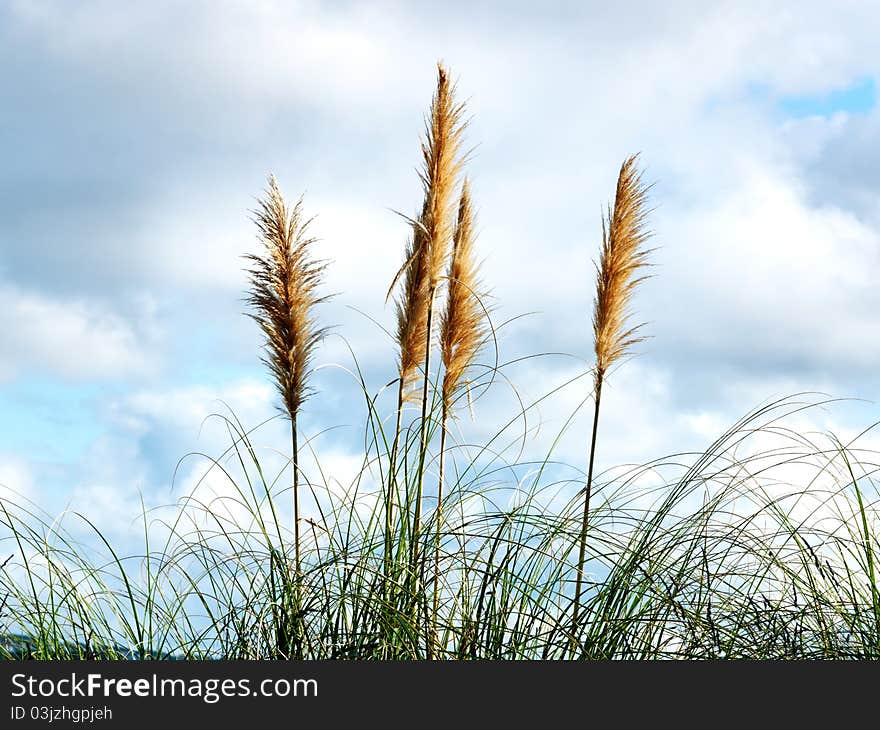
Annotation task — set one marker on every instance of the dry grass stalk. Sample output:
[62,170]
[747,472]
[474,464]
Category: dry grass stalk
[284,283]
[442,166]
[423,268]
[622,258]
[463,328]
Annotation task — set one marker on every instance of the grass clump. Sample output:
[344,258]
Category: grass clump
[762,546]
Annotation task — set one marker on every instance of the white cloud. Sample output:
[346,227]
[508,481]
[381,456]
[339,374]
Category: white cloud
[775,278]
[226,48]
[17,481]
[185,408]
[71,338]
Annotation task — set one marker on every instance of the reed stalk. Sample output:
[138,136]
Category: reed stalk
[284,282]
[463,327]
[390,496]
[623,256]
[425,260]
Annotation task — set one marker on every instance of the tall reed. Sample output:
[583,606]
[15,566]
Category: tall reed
[622,258]
[426,257]
[463,328]
[284,282]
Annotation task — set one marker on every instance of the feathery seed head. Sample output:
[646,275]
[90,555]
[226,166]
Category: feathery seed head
[622,257]
[427,252]
[283,292]
[464,324]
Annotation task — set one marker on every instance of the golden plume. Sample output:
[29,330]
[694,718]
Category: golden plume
[463,325]
[623,255]
[428,248]
[284,291]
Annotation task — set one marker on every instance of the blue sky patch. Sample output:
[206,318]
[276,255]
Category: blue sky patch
[49,421]
[858,98]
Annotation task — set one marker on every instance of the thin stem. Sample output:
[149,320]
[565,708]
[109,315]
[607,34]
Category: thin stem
[295,465]
[439,528]
[583,538]
[392,484]
[297,563]
[423,446]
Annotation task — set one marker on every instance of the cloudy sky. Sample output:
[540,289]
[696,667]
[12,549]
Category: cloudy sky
[134,139]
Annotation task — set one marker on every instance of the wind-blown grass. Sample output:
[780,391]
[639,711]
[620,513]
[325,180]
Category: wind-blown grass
[695,556]
[764,545]
[618,273]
